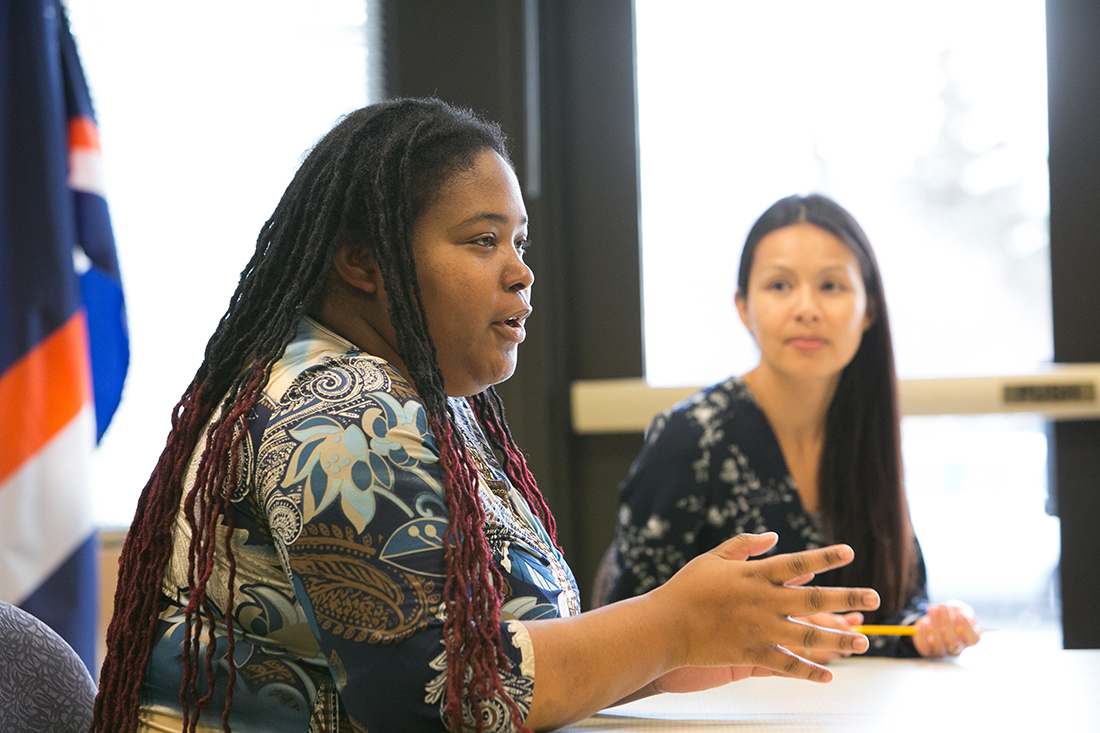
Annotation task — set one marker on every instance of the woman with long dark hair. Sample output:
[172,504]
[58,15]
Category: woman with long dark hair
[807,444]
[341,534]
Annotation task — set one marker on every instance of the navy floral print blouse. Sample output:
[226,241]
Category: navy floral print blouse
[711,469]
[338,540]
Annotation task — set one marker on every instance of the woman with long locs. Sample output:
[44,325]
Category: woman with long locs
[341,534]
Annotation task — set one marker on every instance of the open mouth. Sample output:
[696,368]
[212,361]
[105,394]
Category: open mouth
[514,326]
[517,320]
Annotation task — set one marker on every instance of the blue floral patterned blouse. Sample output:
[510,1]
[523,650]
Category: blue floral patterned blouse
[338,534]
[712,468]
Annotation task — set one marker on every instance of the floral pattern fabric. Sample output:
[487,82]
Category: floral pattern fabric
[712,468]
[338,541]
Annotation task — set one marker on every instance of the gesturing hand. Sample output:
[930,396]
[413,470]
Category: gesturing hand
[728,611]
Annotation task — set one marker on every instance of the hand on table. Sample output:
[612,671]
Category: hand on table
[946,630]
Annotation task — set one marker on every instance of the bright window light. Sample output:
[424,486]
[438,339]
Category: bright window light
[205,109]
[928,122]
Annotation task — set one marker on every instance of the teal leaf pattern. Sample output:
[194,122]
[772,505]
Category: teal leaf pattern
[337,461]
[522,563]
[527,608]
[415,546]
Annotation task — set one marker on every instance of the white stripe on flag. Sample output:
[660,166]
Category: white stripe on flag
[46,509]
[86,171]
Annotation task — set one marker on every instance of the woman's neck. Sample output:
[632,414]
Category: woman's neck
[796,410]
[794,407]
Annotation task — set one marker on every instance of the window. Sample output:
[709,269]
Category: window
[205,110]
[928,122]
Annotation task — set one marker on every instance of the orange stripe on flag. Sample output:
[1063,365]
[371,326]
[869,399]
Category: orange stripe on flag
[42,392]
[83,133]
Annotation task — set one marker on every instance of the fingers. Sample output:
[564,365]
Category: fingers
[795,569]
[840,621]
[810,646]
[929,639]
[855,618]
[817,644]
[800,580]
[782,569]
[951,636]
[741,612]
[824,639]
[744,546]
[968,629]
[817,656]
[817,599]
[944,631]
[788,664]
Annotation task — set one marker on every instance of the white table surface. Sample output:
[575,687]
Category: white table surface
[1005,683]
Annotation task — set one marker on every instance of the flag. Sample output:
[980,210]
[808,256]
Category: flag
[64,348]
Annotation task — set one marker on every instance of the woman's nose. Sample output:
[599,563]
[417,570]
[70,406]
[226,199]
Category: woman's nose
[518,275]
[807,307]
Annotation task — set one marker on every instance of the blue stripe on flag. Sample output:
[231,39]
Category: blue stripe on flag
[101,292]
[109,342]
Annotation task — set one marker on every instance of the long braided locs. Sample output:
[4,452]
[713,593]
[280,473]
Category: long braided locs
[490,413]
[364,182]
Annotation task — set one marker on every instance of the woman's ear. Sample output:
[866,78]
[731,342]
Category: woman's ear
[742,308]
[356,266]
[870,314]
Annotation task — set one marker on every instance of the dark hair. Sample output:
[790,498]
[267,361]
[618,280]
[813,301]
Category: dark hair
[365,182]
[860,484]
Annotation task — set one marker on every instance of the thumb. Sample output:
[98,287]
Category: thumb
[744,546]
[854,618]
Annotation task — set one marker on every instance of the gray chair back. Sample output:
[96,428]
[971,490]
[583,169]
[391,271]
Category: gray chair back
[44,686]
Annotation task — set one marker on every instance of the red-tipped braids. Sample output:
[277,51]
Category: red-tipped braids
[469,618]
[490,413]
[364,183]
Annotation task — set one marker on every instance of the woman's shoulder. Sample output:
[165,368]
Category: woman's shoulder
[319,364]
[724,403]
[353,376]
[723,411]
[322,387]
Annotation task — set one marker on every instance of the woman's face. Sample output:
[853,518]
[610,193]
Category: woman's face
[806,304]
[476,288]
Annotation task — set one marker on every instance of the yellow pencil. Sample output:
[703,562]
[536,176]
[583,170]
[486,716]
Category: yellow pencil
[873,630]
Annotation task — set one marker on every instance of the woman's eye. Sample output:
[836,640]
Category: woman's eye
[487,241]
[779,285]
[522,245]
[832,285]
